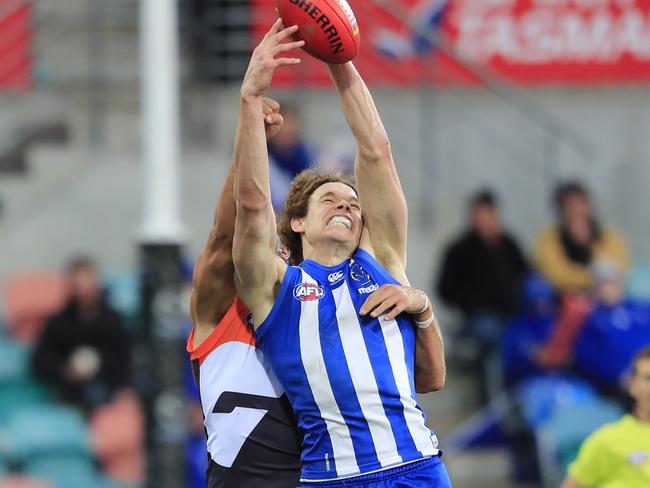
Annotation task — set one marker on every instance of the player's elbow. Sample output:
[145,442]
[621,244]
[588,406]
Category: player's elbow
[376,149]
[430,382]
[252,200]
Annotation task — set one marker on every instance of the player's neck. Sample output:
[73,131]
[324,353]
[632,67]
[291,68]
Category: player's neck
[643,414]
[327,253]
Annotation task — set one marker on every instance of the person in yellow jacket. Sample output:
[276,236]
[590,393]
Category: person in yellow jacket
[566,250]
[618,454]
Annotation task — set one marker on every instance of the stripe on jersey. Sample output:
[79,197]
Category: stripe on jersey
[363,378]
[339,373]
[397,357]
[314,365]
[371,329]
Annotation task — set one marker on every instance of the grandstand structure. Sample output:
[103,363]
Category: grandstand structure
[70,155]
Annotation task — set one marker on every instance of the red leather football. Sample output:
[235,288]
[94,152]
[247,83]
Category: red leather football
[328,27]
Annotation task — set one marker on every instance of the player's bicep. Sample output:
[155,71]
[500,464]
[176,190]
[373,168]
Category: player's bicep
[213,286]
[384,206]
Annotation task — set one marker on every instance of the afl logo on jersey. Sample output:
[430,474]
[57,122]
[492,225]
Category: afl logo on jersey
[306,292]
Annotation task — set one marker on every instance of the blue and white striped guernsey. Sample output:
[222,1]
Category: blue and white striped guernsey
[350,379]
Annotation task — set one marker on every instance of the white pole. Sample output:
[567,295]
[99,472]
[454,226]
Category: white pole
[160,122]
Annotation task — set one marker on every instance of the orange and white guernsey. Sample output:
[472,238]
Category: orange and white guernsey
[252,437]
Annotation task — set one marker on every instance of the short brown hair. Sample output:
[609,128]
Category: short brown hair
[297,204]
[642,355]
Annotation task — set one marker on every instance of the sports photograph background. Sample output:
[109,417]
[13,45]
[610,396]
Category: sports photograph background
[513,97]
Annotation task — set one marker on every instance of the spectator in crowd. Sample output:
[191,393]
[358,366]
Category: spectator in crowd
[529,330]
[566,250]
[84,350]
[614,332]
[481,273]
[289,155]
[618,454]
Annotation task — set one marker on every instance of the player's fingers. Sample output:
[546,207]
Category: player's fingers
[397,309]
[384,306]
[369,305]
[270,105]
[284,33]
[287,46]
[277,25]
[286,61]
[382,293]
[273,119]
[375,298]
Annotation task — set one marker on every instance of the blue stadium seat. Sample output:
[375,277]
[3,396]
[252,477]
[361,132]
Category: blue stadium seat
[639,282]
[63,471]
[17,396]
[41,430]
[14,361]
[17,388]
[540,397]
[104,482]
[123,290]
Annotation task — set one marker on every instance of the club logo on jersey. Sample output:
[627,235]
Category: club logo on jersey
[358,273]
[335,277]
[306,292]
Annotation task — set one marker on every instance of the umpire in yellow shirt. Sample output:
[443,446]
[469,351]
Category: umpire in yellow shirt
[618,455]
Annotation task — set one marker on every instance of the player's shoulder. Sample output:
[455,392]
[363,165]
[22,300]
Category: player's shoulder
[605,433]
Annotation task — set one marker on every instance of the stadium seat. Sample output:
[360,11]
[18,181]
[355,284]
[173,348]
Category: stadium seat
[17,396]
[14,361]
[117,435]
[539,398]
[639,282]
[29,300]
[123,289]
[63,471]
[17,388]
[560,437]
[41,430]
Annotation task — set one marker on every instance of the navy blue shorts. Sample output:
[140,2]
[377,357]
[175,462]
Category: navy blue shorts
[430,473]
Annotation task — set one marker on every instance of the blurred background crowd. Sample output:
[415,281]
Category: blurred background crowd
[521,140]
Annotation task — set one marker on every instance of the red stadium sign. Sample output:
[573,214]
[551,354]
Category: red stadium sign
[555,41]
[15,42]
[529,42]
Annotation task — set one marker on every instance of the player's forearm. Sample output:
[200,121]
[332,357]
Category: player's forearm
[430,368]
[360,112]
[252,191]
[224,216]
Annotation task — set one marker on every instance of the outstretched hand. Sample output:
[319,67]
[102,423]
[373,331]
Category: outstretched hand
[264,62]
[391,300]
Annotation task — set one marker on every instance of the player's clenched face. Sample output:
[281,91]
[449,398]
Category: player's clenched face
[334,213]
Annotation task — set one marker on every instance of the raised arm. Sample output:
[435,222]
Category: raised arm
[213,279]
[380,191]
[257,268]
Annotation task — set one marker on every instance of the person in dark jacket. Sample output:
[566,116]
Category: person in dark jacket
[83,350]
[481,274]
